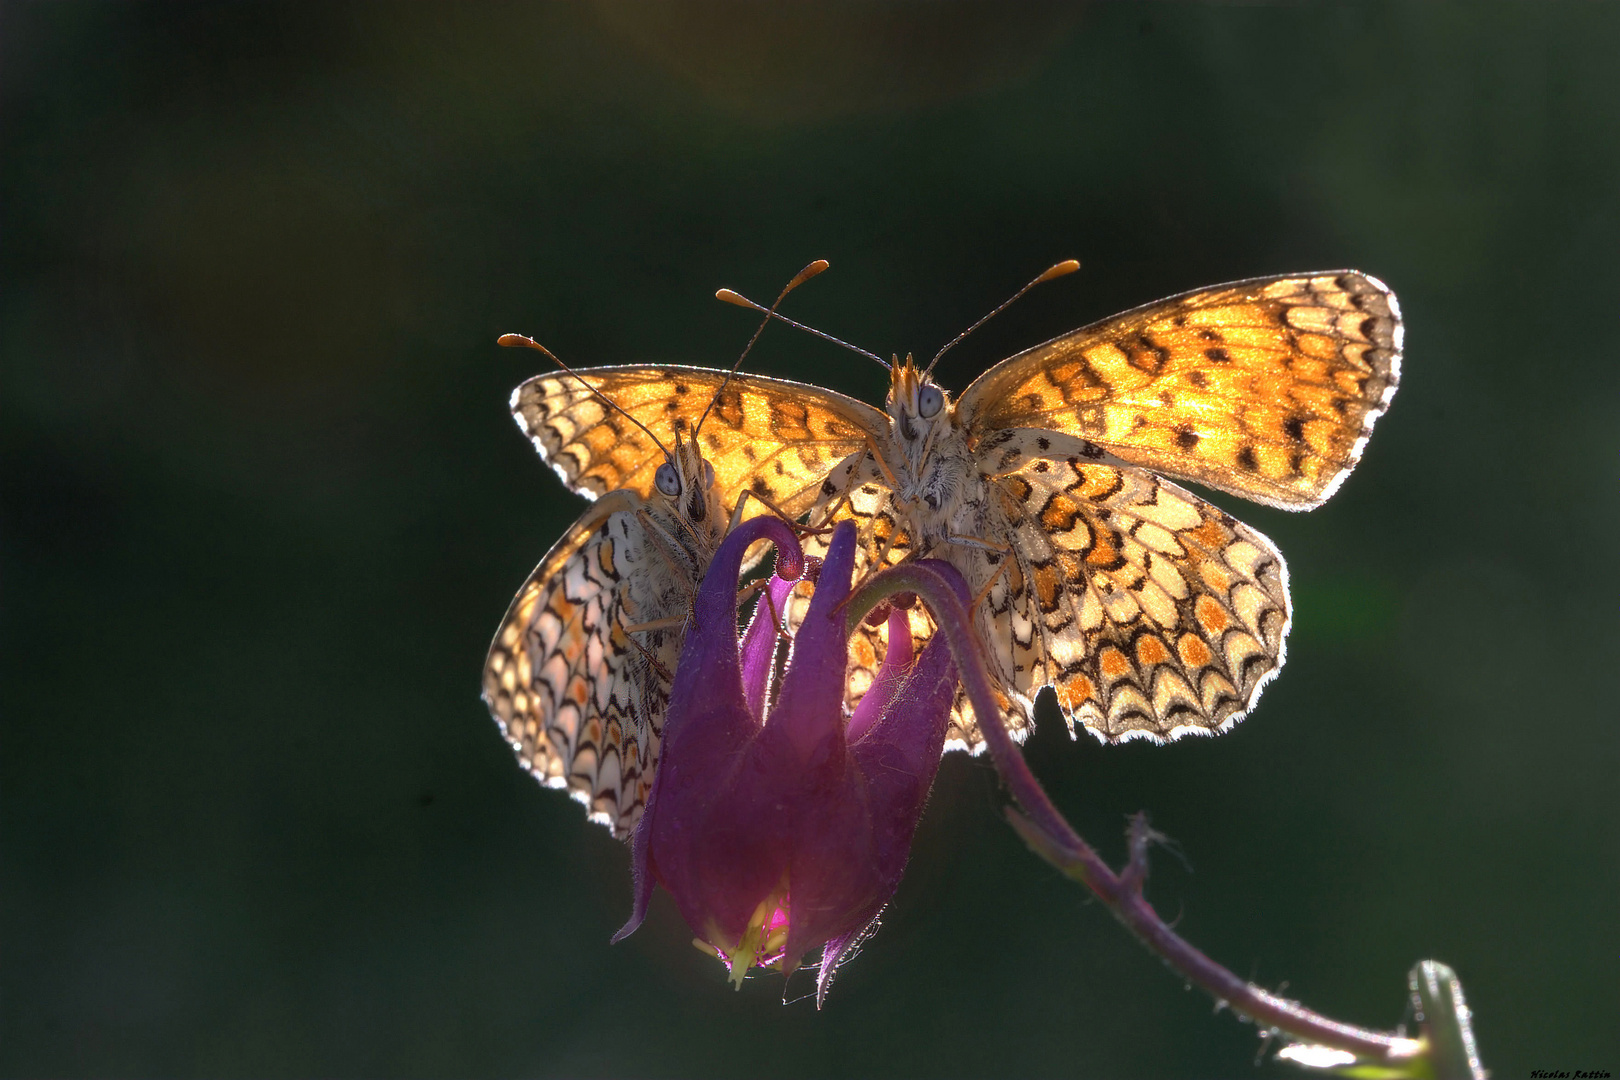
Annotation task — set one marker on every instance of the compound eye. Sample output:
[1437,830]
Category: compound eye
[708,475]
[667,480]
[929,402]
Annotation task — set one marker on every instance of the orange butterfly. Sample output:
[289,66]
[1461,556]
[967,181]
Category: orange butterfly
[1149,611]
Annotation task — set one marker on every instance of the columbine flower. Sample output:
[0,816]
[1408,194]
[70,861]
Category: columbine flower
[783,834]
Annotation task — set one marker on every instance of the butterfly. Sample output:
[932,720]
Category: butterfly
[1051,483]
[769,443]
[579,673]
[1149,611]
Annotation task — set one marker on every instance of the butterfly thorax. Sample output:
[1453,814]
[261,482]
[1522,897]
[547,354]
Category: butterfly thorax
[938,490]
[659,553]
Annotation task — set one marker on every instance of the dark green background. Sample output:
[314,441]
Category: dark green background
[262,507]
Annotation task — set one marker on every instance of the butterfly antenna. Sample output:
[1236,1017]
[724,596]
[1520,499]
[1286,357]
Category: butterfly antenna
[798,279]
[1067,266]
[731,297]
[513,341]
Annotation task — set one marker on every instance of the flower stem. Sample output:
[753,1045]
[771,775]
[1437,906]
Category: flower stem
[1046,831]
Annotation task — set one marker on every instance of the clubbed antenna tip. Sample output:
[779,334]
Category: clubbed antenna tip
[1067,266]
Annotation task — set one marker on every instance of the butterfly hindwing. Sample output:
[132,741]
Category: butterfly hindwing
[562,677]
[1149,611]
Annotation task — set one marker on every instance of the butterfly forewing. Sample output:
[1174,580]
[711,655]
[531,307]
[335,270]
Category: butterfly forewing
[773,438]
[1265,388]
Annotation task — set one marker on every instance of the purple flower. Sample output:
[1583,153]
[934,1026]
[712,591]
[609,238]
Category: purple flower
[781,835]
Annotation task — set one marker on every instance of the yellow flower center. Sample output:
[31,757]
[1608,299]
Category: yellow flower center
[763,943]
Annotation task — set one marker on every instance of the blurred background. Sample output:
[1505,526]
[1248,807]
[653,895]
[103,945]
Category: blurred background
[262,506]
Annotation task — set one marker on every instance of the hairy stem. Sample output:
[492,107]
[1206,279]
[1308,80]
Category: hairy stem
[1050,835]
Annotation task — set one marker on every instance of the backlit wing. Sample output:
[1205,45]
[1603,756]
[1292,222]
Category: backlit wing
[1151,612]
[1266,388]
[881,544]
[561,677]
[775,438]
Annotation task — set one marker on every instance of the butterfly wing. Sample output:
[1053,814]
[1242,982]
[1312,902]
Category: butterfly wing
[564,681]
[854,493]
[775,438]
[1266,388]
[1150,612]
[1154,613]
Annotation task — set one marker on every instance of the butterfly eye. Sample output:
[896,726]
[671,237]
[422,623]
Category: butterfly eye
[667,480]
[708,475]
[929,402]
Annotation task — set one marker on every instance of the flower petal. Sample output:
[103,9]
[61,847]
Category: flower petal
[759,644]
[810,708]
[708,715]
[896,664]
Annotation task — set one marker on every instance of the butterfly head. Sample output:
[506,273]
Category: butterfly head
[686,479]
[916,404]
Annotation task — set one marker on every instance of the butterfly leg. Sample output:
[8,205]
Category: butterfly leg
[646,654]
[876,457]
[882,558]
[1004,550]
[667,547]
[855,470]
[984,593]
[842,480]
[981,544]
[778,618]
[742,500]
[832,512]
[623,605]
[654,624]
[747,591]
